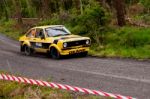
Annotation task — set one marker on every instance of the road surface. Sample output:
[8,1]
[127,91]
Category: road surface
[123,76]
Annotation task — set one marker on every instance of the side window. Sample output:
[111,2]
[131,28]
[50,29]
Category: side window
[39,33]
[31,33]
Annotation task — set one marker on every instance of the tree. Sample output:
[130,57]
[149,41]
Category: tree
[4,8]
[67,4]
[146,3]
[17,6]
[79,6]
[119,5]
[46,12]
[31,11]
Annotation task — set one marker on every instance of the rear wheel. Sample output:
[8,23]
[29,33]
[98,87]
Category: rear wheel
[54,53]
[27,50]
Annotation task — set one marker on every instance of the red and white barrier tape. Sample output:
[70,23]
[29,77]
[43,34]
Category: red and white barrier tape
[61,86]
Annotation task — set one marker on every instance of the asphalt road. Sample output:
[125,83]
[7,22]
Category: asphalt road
[124,76]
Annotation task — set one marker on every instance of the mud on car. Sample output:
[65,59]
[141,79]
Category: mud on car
[55,40]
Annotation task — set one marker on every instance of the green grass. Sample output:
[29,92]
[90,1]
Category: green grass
[127,42]
[138,53]
[13,90]
[10,29]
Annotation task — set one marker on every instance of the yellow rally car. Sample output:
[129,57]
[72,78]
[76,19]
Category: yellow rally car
[56,40]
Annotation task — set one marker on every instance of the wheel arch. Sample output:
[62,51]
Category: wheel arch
[25,43]
[55,46]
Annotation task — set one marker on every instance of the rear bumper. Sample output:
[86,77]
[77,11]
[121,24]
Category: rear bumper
[74,51]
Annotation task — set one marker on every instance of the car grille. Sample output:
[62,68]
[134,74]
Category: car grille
[76,43]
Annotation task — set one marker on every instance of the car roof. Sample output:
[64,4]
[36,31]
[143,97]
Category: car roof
[47,26]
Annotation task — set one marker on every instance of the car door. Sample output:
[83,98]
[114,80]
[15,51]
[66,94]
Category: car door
[39,40]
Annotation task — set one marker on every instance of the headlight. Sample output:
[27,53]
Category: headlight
[65,45]
[87,42]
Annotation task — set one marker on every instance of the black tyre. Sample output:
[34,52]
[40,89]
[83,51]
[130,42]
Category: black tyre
[28,51]
[84,54]
[21,48]
[48,54]
[54,53]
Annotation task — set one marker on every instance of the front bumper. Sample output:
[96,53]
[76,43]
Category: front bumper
[74,51]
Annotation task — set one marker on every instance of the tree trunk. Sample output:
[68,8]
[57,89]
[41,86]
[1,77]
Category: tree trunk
[18,11]
[79,6]
[6,10]
[119,5]
[46,12]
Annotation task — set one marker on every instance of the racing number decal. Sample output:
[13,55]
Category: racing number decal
[38,44]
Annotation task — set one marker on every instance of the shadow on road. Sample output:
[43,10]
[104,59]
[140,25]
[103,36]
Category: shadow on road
[44,55]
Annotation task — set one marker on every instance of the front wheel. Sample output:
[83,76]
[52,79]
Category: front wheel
[84,54]
[54,53]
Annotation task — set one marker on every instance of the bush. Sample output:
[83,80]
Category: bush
[9,29]
[129,37]
[134,37]
[92,23]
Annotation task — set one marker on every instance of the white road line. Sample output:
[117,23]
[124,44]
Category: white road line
[114,76]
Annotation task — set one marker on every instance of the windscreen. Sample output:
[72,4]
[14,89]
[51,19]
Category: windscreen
[57,31]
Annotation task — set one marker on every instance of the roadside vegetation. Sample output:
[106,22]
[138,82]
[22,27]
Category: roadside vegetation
[13,90]
[9,29]
[115,31]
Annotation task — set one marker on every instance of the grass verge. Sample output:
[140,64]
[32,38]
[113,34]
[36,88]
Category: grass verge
[14,90]
[10,29]
[126,42]
[140,53]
